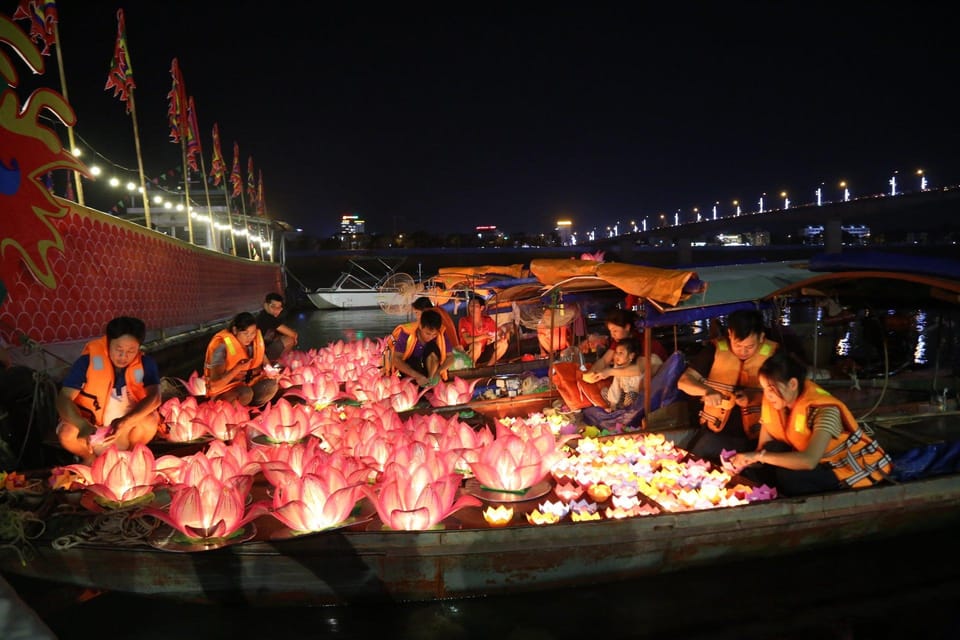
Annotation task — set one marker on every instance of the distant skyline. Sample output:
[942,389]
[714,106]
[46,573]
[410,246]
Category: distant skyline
[442,122]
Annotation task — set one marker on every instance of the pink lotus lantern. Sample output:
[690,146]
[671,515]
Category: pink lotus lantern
[516,462]
[414,500]
[196,385]
[120,478]
[284,422]
[315,502]
[222,419]
[180,416]
[448,394]
[210,510]
[320,391]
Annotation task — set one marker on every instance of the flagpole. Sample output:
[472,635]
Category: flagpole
[206,190]
[136,141]
[246,225]
[63,90]
[186,184]
[226,197]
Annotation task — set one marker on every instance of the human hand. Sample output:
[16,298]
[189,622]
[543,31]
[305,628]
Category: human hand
[712,398]
[85,429]
[740,398]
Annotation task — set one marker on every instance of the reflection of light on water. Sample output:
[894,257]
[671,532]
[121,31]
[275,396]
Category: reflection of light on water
[786,315]
[920,349]
[843,345]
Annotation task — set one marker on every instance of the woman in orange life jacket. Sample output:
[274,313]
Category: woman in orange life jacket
[110,385]
[233,367]
[809,440]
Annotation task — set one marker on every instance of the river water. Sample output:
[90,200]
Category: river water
[906,587]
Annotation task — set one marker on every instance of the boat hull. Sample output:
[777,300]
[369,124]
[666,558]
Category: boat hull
[108,267]
[361,565]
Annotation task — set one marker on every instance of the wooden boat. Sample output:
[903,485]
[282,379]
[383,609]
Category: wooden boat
[366,283]
[465,557]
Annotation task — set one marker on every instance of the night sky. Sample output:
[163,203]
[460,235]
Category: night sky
[443,121]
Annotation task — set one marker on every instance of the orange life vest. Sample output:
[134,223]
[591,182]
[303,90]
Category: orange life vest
[726,374]
[856,459]
[410,328]
[235,353]
[92,399]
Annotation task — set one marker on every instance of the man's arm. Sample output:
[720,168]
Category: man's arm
[399,364]
[290,333]
[139,411]
[70,414]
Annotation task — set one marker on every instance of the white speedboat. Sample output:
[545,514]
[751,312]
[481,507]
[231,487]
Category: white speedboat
[366,283]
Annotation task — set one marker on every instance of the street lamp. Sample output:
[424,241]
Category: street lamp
[923,180]
[819,193]
[715,205]
[846,192]
[736,203]
[893,184]
[696,210]
[761,202]
[663,219]
[786,200]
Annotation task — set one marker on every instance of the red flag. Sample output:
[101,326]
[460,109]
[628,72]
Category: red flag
[236,181]
[261,205]
[120,77]
[251,187]
[42,15]
[193,135]
[218,168]
[177,111]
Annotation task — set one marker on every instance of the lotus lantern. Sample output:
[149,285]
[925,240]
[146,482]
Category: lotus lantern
[211,510]
[118,477]
[499,516]
[315,502]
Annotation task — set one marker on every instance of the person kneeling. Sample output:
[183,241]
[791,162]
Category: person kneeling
[111,385]
[233,367]
[421,351]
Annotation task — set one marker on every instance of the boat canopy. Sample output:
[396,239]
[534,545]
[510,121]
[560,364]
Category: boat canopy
[450,277]
[664,286]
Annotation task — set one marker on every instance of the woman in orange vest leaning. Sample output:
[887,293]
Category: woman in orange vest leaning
[113,387]
[809,440]
[233,367]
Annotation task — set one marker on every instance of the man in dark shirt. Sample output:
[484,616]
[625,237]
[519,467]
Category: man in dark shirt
[278,338]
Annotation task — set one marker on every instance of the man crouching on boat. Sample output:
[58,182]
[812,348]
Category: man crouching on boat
[420,350]
[111,394]
[233,367]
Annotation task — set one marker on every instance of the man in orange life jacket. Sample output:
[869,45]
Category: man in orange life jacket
[421,351]
[724,374]
[233,367]
[110,385]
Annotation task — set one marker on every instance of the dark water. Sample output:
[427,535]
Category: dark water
[906,587]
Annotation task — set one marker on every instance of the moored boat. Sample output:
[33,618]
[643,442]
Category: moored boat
[366,283]
[463,555]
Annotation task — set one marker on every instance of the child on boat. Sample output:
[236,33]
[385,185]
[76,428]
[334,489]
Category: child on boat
[621,396]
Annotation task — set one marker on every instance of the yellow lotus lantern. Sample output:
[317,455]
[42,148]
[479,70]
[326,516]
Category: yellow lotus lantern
[499,516]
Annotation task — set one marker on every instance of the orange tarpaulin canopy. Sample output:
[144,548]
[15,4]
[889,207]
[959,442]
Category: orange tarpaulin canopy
[662,285]
[451,276]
